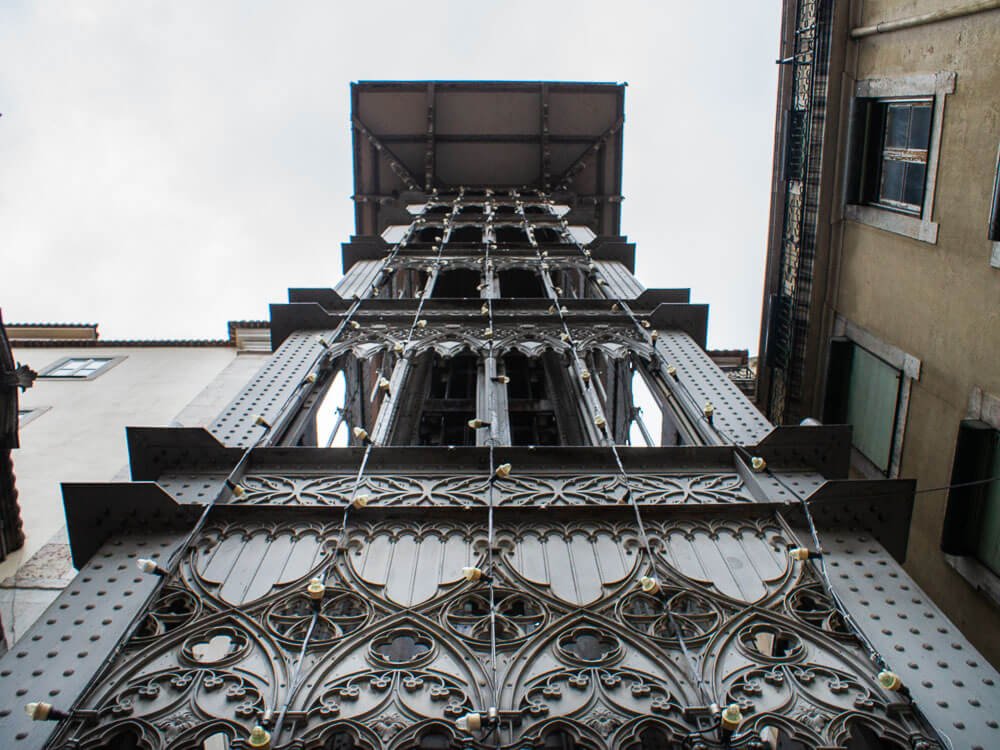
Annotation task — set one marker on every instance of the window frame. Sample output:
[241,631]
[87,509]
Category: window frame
[933,87]
[909,368]
[993,228]
[109,363]
[28,414]
[983,416]
[903,155]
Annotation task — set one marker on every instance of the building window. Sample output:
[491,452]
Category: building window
[457,283]
[450,402]
[520,282]
[994,228]
[972,520]
[30,414]
[532,414]
[80,368]
[894,144]
[863,391]
[897,135]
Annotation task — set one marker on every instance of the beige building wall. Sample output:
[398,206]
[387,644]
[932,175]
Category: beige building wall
[80,437]
[937,301]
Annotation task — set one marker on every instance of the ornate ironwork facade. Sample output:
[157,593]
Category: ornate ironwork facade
[488,562]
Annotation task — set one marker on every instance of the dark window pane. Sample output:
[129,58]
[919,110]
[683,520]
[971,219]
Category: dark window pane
[527,377]
[510,234]
[520,282]
[913,189]
[533,428]
[920,126]
[892,180]
[461,282]
[466,234]
[896,126]
[445,428]
[988,528]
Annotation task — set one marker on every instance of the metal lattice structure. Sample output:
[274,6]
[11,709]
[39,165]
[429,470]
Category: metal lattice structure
[525,579]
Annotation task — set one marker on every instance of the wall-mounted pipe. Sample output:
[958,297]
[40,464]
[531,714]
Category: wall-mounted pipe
[923,19]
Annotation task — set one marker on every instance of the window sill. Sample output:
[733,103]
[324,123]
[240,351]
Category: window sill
[893,221]
[981,578]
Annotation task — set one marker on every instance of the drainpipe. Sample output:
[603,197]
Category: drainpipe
[925,18]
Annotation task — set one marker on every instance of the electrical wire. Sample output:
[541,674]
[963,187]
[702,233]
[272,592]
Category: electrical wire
[608,438]
[491,482]
[874,654]
[295,681]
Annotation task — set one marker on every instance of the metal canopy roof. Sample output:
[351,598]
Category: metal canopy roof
[413,137]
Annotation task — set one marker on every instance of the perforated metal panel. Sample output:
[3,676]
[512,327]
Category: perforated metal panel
[621,283]
[951,682]
[269,389]
[56,659]
[358,279]
[735,414]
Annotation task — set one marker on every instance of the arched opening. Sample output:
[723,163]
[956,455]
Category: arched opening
[510,235]
[125,739]
[458,282]
[547,235]
[340,741]
[450,402]
[536,210]
[520,282]
[532,413]
[864,738]
[407,282]
[466,234]
[428,234]
[439,209]
[435,739]
[654,738]
[217,741]
[330,415]
[471,210]
[647,417]
[505,211]
[560,739]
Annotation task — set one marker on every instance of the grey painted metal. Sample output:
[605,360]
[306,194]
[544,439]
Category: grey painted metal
[735,414]
[621,283]
[401,643]
[59,655]
[951,682]
[358,279]
[268,391]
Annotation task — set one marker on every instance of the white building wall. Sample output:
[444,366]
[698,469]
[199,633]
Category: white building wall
[81,438]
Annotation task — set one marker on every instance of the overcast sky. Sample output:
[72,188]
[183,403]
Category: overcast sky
[170,166]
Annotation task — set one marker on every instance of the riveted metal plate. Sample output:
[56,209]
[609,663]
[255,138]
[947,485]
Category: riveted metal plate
[59,655]
[95,511]
[269,389]
[825,448]
[734,412]
[155,450]
[951,682]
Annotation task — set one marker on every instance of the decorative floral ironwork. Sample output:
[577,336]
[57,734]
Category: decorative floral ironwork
[419,489]
[394,658]
[340,613]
